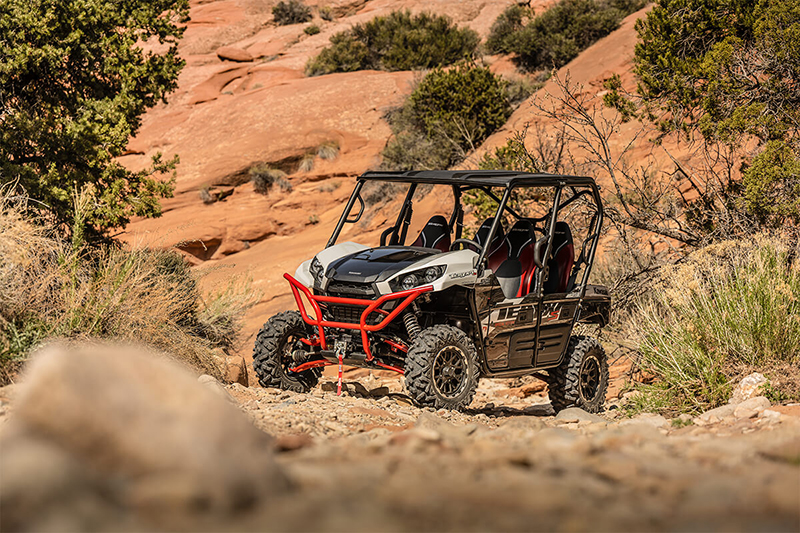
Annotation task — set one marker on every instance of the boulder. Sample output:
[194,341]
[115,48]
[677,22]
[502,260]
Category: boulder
[749,387]
[175,453]
[232,53]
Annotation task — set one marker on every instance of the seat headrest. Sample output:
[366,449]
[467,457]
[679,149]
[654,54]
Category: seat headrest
[483,232]
[435,234]
[519,236]
[562,237]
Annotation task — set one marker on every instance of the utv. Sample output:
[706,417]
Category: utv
[446,310]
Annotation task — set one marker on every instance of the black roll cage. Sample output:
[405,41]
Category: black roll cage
[486,181]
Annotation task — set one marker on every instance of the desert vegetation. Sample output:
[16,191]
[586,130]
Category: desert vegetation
[554,37]
[74,83]
[398,41]
[264,178]
[448,114]
[56,289]
[291,12]
[728,309]
[703,295]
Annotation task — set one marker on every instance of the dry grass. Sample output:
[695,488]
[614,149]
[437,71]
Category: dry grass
[53,289]
[725,311]
[264,177]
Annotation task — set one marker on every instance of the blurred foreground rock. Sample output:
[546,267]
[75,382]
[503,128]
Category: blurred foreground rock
[108,438]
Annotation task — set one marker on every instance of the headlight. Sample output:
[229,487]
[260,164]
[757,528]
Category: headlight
[432,274]
[417,278]
[410,281]
[316,272]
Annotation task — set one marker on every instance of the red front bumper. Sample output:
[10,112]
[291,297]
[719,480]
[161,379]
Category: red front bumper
[371,306]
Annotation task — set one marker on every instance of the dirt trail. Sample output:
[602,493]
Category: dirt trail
[100,438]
[367,463]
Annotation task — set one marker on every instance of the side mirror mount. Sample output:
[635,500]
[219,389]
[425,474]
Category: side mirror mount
[539,250]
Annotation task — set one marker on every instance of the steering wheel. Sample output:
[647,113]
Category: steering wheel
[466,241]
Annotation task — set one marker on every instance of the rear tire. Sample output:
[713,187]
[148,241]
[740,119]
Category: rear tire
[272,354]
[582,378]
[442,368]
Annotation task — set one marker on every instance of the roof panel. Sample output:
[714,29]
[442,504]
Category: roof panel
[483,178]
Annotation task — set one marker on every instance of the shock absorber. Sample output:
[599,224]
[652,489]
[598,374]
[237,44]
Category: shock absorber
[412,325]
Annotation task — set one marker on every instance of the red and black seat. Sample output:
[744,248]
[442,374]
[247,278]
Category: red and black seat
[561,261]
[497,251]
[435,234]
[516,272]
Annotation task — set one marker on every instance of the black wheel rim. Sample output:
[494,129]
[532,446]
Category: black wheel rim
[589,378]
[449,371]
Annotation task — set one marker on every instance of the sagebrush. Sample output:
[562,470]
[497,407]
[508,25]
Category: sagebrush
[557,35]
[448,114]
[291,12]
[398,41]
[50,289]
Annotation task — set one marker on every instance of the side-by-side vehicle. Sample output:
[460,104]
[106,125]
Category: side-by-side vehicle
[445,310]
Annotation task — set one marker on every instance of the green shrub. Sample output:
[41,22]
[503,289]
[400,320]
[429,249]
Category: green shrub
[311,30]
[448,114]
[291,12]
[398,41]
[326,13]
[729,309]
[501,34]
[559,34]
[264,177]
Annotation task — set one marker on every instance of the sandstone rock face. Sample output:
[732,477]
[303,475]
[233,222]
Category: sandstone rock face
[749,387]
[111,426]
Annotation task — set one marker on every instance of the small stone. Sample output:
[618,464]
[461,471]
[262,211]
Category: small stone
[770,416]
[748,388]
[329,386]
[750,408]
[575,414]
[715,415]
[651,419]
[288,443]
[379,392]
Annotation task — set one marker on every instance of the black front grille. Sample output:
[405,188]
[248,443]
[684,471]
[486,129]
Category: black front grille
[351,314]
[351,290]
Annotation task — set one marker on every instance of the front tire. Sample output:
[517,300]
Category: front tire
[582,378]
[442,368]
[273,354]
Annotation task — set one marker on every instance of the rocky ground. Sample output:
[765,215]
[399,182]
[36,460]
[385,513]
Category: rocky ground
[95,440]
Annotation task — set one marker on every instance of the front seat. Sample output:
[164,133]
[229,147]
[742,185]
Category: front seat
[560,264]
[435,234]
[519,264]
[497,251]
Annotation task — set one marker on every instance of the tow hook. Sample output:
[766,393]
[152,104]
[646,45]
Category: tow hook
[340,349]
